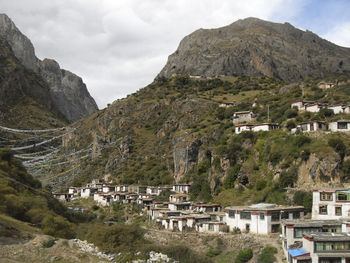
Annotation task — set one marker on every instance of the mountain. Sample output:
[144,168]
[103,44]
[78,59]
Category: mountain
[25,99]
[254,47]
[67,90]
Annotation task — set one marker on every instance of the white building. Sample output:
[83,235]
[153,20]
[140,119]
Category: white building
[156,190]
[331,204]
[243,127]
[86,192]
[293,230]
[74,190]
[338,109]
[260,218]
[179,198]
[181,188]
[300,105]
[207,208]
[180,206]
[265,127]
[322,248]
[316,107]
[340,125]
[325,85]
[312,126]
[243,116]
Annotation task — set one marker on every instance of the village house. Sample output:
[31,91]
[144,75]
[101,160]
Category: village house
[179,198]
[260,218]
[339,126]
[226,104]
[86,192]
[322,248]
[156,190]
[338,109]
[311,126]
[206,208]
[63,196]
[325,85]
[211,226]
[96,183]
[315,107]
[243,127]
[265,127]
[181,188]
[300,105]
[121,188]
[139,189]
[74,191]
[293,230]
[180,206]
[108,188]
[243,117]
[331,204]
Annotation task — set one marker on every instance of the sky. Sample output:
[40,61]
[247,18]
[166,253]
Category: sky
[119,46]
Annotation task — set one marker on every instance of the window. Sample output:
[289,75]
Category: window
[341,196]
[338,211]
[246,215]
[211,227]
[284,215]
[262,216]
[342,125]
[329,260]
[323,210]
[296,215]
[326,196]
[231,213]
[298,232]
[333,246]
[275,216]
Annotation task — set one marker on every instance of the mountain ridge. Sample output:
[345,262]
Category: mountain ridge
[68,91]
[254,47]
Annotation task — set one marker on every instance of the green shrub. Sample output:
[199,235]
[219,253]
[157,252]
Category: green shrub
[244,255]
[304,199]
[49,243]
[338,145]
[268,255]
[213,252]
[58,226]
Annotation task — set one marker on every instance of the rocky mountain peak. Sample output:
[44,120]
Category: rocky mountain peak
[69,94]
[254,47]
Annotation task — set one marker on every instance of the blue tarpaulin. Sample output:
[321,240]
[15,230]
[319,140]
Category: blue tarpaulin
[297,252]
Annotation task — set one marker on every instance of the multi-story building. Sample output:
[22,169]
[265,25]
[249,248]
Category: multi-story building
[260,218]
[331,204]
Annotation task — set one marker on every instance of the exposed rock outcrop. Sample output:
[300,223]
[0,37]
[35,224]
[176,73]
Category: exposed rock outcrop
[253,47]
[69,93]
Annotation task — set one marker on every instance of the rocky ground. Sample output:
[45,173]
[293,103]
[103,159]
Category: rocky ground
[67,251]
[230,243]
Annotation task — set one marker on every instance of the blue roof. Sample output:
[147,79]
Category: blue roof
[297,252]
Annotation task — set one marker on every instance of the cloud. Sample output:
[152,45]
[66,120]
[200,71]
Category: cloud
[339,34]
[118,47]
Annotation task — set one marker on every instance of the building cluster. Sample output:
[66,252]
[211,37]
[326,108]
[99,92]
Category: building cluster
[326,237]
[316,107]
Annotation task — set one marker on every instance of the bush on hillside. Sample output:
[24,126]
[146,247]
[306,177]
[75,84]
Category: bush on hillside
[338,145]
[268,255]
[58,226]
[304,199]
[244,255]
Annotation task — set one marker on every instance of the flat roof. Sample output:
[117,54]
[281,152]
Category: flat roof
[295,252]
[329,236]
[264,207]
[311,223]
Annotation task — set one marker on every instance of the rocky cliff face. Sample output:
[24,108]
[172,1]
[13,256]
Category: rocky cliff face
[69,94]
[254,47]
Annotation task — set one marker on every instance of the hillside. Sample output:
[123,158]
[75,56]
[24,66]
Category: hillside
[67,91]
[254,47]
[174,131]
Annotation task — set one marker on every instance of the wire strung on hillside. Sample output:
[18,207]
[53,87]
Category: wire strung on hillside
[31,131]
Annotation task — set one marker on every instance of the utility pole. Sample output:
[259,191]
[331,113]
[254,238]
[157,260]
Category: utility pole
[268,113]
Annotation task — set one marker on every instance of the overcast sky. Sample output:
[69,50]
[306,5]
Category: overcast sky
[119,46]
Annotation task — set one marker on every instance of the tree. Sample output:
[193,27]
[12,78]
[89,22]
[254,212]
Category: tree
[244,255]
[339,146]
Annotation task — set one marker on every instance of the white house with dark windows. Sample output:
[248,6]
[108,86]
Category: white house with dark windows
[260,218]
[331,204]
[339,126]
[256,127]
[322,248]
[312,126]
[338,109]
[181,188]
[293,230]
